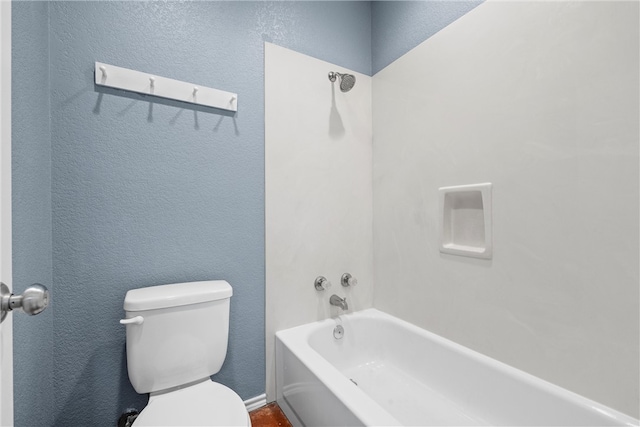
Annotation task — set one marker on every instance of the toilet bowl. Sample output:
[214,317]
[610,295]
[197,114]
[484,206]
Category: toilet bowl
[204,404]
[177,337]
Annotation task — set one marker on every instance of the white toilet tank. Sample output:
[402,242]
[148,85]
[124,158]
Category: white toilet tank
[178,333]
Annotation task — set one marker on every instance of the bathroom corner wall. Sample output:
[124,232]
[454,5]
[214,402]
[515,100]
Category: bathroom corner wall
[33,364]
[399,26]
[318,185]
[541,99]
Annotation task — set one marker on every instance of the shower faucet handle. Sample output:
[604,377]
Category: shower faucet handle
[321,283]
[348,280]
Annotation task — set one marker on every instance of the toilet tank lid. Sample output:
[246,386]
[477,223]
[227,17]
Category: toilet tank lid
[176,294]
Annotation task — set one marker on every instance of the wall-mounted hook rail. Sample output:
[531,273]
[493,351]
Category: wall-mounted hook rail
[145,83]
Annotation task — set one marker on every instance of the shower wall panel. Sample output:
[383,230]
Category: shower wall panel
[540,99]
[318,192]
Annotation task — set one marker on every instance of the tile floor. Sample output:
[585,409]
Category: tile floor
[269,416]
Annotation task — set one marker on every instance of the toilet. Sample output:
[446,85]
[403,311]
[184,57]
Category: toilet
[177,338]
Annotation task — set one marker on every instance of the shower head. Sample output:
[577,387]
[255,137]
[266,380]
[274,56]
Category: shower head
[347,81]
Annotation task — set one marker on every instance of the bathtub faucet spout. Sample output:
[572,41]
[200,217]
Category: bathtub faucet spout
[339,302]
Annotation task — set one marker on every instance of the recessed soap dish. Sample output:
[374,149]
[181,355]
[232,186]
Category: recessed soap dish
[465,220]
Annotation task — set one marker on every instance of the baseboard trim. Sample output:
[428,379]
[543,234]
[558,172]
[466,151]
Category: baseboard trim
[256,402]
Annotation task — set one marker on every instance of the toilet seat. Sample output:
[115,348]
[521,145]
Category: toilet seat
[203,404]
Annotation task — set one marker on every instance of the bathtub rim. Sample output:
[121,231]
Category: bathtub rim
[296,339]
[361,405]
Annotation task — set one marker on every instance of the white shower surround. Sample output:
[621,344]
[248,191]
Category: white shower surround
[318,196]
[539,98]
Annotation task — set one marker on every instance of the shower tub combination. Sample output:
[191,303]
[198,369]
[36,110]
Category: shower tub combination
[384,371]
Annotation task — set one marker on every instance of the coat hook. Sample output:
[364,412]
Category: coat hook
[146,83]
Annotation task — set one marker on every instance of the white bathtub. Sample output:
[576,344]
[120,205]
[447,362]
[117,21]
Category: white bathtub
[408,376]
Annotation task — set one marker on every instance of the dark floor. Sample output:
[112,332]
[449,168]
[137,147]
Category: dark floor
[269,416]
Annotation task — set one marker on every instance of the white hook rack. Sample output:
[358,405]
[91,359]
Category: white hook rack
[148,84]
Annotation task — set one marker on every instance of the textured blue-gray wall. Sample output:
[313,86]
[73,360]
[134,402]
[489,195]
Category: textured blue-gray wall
[147,192]
[399,26]
[31,200]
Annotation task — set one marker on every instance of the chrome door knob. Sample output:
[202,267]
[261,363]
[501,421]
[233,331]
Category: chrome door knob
[33,300]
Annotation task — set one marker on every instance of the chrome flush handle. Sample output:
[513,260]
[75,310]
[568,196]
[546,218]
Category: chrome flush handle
[138,320]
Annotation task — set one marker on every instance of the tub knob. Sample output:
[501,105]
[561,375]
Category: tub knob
[321,283]
[348,280]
